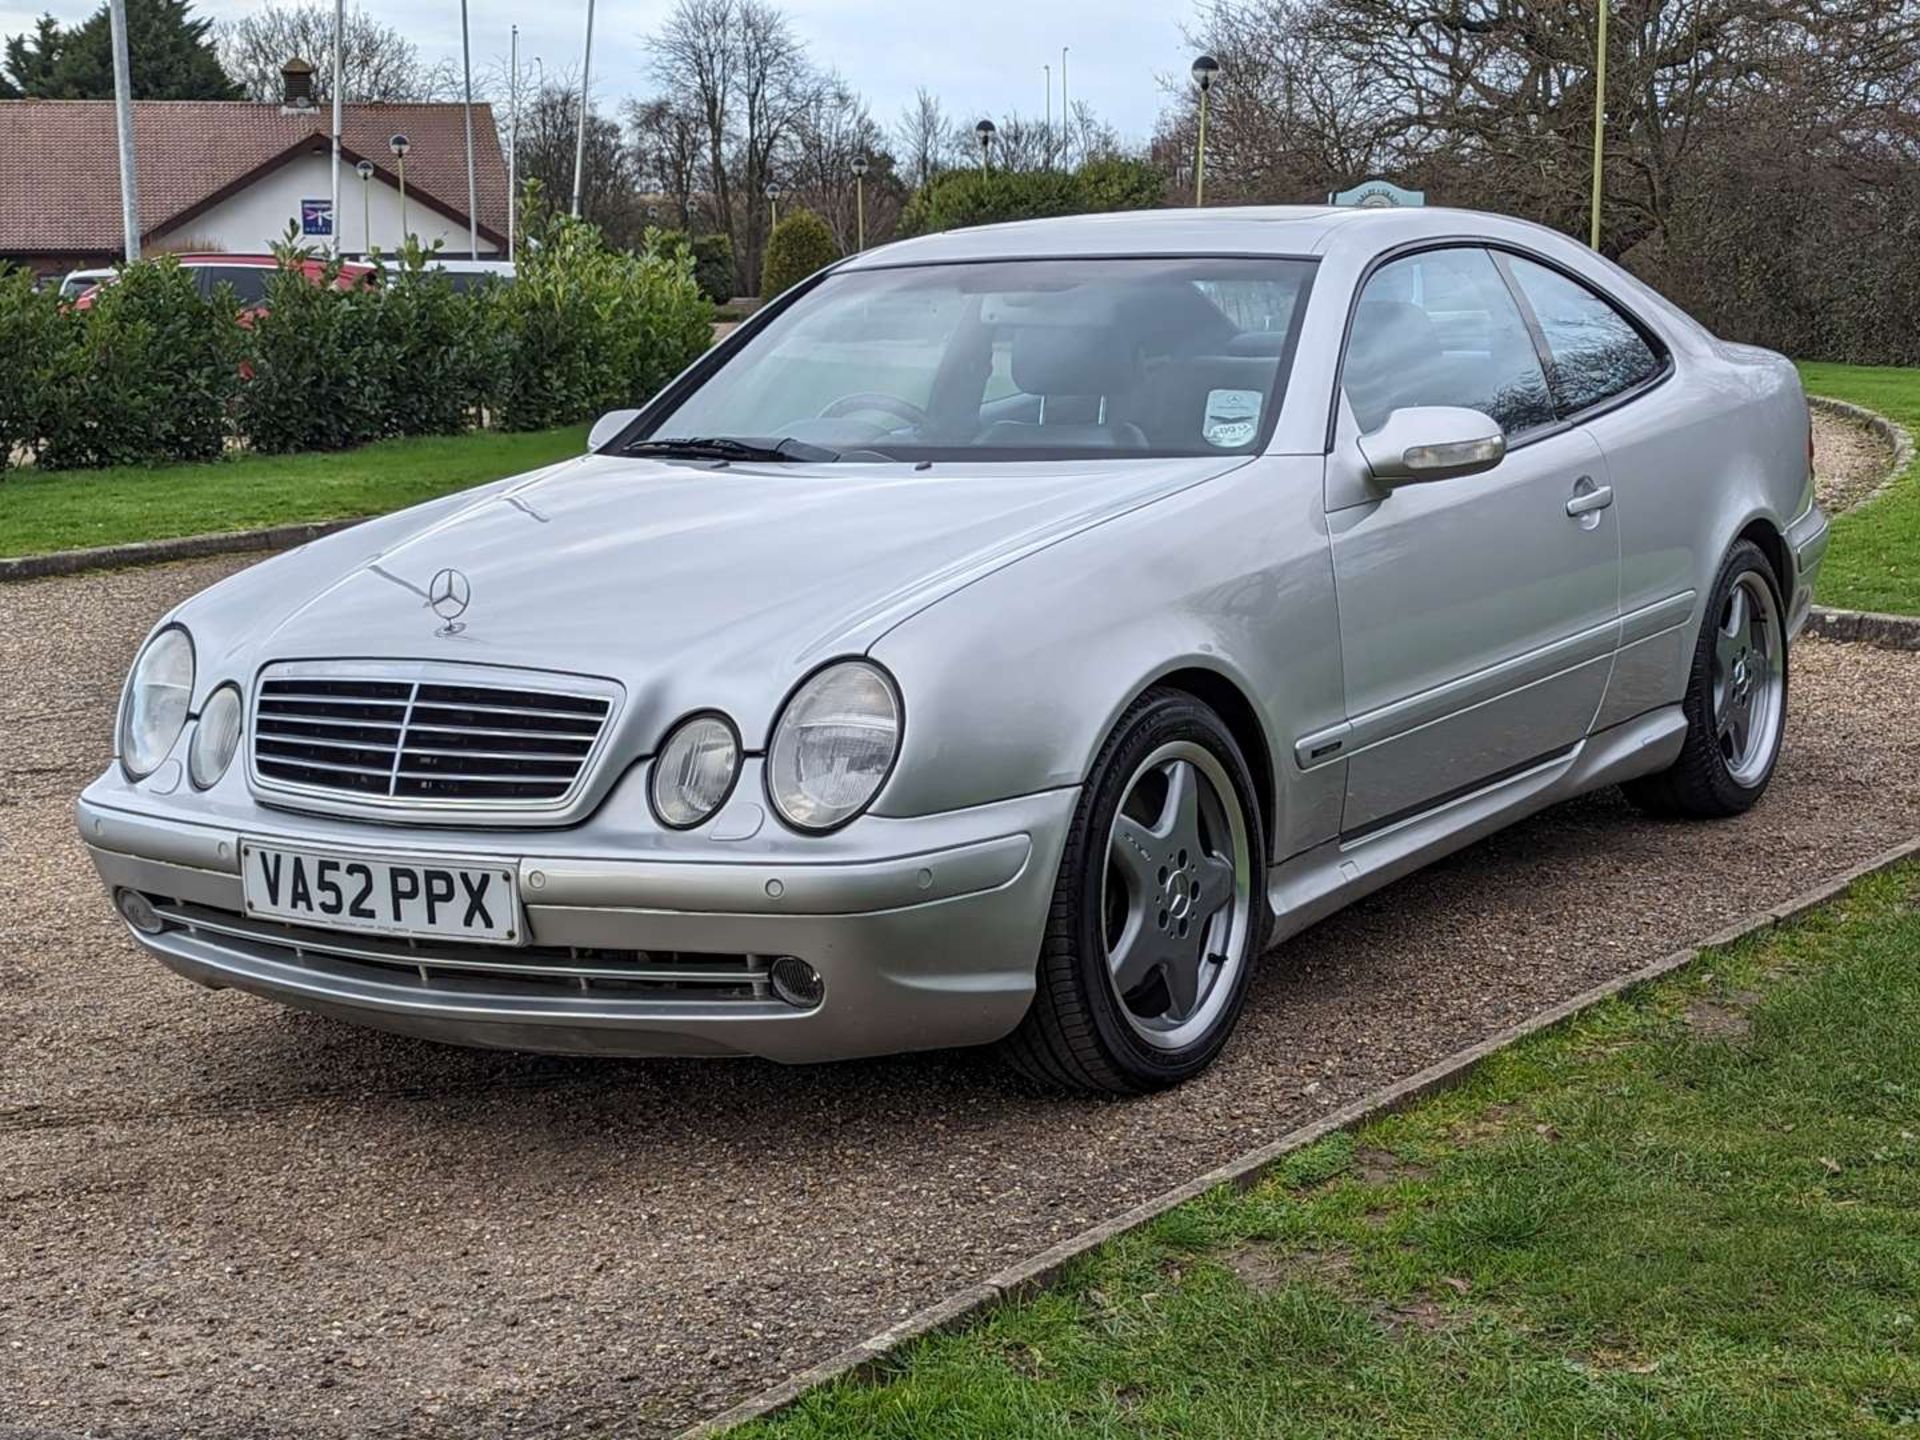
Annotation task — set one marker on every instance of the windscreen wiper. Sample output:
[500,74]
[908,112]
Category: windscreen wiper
[722,447]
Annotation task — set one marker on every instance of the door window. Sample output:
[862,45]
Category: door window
[1441,328]
[1596,351]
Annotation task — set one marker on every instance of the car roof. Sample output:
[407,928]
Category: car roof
[1303,230]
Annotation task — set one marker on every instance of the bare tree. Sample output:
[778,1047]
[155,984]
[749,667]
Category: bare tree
[668,148]
[1293,118]
[693,55]
[746,76]
[924,138]
[380,63]
[608,192]
[817,171]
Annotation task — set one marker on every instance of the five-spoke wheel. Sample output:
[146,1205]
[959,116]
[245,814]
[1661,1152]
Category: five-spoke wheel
[1157,914]
[1736,700]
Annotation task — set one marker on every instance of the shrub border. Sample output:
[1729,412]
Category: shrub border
[867,1359]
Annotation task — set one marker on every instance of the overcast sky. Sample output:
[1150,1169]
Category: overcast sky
[979,56]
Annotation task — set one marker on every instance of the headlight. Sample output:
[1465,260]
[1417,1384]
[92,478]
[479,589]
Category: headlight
[215,737]
[158,694]
[695,771]
[833,746]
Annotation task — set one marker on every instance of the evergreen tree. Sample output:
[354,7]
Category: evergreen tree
[168,52]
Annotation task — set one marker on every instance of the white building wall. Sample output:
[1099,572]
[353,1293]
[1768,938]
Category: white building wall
[251,221]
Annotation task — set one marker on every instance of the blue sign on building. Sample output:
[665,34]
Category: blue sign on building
[316,217]
[1378,195]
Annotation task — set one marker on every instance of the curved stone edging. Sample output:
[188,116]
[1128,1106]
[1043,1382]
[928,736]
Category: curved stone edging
[1898,439]
[1043,1271]
[153,552]
[1864,627]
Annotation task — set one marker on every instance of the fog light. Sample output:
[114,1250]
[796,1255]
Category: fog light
[138,912]
[797,982]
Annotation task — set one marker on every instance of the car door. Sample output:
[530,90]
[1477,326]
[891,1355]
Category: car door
[1478,615]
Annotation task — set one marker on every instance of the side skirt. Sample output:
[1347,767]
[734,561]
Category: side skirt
[1311,886]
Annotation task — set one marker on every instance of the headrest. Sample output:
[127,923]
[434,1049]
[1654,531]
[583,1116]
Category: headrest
[1071,360]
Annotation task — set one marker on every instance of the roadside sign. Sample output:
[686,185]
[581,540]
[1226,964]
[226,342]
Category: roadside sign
[1378,195]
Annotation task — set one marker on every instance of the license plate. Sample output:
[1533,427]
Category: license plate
[386,896]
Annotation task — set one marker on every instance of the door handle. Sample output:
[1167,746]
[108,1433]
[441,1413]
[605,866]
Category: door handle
[1588,497]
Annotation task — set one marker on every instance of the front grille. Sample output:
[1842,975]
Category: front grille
[453,967]
[423,741]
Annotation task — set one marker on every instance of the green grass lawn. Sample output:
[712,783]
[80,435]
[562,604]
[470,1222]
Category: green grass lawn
[70,509]
[1691,1212]
[1874,563]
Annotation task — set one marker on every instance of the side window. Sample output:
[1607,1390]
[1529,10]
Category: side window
[1441,328]
[1596,352]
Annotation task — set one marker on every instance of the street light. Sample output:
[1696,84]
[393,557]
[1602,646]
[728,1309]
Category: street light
[773,204]
[365,171]
[860,202]
[985,131]
[399,145]
[1204,70]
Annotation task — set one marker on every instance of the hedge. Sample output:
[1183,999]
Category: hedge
[152,371]
[959,198]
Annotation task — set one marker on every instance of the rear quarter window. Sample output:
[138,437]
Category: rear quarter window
[1597,353]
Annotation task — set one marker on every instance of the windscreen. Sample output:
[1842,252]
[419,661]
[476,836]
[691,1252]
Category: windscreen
[1012,360]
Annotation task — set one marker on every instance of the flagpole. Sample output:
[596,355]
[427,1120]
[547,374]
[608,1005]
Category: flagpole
[123,117]
[473,192]
[339,85]
[1599,126]
[580,135]
[513,139]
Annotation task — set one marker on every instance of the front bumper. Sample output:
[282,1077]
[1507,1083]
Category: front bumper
[925,931]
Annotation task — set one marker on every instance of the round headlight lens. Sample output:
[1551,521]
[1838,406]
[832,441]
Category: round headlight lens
[215,737]
[833,746]
[158,694]
[694,771]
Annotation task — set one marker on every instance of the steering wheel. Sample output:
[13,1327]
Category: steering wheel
[873,400]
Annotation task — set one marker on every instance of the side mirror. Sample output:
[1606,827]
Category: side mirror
[608,426]
[1432,442]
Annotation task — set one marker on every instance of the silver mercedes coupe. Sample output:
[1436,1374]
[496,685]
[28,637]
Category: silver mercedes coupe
[1005,636]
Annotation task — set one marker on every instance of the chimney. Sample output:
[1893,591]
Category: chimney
[297,78]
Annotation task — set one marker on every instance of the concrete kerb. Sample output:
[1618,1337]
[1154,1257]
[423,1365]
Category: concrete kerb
[1039,1272]
[154,552]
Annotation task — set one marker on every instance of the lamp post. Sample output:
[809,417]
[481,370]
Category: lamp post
[860,202]
[399,145]
[984,130]
[1048,69]
[1204,69]
[773,205]
[1599,124]
[365,170]
[1066,113]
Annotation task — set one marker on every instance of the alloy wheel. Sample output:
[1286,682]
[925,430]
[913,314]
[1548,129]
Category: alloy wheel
[1177,903]
[1749,678]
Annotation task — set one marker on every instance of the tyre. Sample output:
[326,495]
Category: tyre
[1736,701]
[1158,911]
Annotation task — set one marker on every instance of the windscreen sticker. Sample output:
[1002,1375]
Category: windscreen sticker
[1233,418]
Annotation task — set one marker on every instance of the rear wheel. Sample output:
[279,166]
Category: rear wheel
[1156,916]
[1736,701]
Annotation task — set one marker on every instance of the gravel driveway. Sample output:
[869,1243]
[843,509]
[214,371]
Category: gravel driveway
[222,1218]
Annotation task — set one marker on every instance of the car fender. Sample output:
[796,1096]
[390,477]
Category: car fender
[1011,685]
